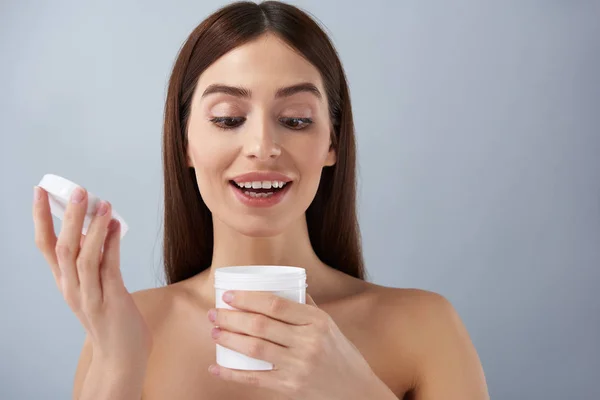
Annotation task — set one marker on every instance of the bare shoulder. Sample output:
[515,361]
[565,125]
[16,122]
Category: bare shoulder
[426,326]
[415,317]
[153,300]
[423,308]
[158,304]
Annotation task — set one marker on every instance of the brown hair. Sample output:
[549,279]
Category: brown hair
[331,217]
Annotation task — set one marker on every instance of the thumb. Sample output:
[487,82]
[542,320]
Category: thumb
[310,301]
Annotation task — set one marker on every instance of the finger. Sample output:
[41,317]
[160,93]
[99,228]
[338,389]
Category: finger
[252,346]
[88,261]
[257,325]
[264,379]
[110,267]
[271,305]
[45,237]
[67,245]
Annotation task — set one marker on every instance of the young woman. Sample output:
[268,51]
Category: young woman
[259,168]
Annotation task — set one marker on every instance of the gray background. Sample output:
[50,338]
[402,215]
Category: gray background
[479,175]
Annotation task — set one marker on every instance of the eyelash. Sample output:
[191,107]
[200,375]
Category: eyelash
[217,120]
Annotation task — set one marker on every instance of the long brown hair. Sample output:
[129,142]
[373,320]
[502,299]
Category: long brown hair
[331,217]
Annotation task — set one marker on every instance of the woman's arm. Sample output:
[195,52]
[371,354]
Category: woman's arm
[83,366]
[449,367]
[106,382]
[126,381]
[97,380]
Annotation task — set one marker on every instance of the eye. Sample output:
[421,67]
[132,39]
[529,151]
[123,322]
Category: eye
[233,122]
[296,123]
[227,122]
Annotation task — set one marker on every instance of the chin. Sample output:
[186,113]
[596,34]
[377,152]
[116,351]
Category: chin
[258,222]
[259,232]
[257,227]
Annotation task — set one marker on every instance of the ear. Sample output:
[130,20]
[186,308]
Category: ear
[331,158]
[190,164]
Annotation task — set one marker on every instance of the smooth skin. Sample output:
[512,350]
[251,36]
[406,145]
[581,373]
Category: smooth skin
[308,350]
[91,283]
[352,340]
[425,353]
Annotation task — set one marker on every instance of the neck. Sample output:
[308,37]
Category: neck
[290,248]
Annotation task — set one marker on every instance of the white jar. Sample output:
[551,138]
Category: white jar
[284,281]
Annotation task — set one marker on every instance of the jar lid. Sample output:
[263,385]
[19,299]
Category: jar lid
[59,193]
[271,275]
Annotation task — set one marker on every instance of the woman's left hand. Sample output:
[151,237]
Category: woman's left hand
[312,359]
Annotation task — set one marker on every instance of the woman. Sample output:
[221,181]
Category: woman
[259,168]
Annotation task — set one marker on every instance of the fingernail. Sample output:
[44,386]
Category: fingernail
[215,333]
[212,315]
[77,196]
[113,225]
[228,297]
[37,194]
[102,208]
[213,369]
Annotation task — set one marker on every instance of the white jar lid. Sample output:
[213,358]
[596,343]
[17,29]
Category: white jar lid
[257,277]
[59,193]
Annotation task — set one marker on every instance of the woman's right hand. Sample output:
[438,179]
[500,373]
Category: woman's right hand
[87,272]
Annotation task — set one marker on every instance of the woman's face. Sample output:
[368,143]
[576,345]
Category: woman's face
[253,128]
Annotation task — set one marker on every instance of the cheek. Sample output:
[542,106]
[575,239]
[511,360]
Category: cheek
[310,155]
[210,159]
[205,154]
[309,158]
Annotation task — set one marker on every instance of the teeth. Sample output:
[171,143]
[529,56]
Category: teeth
[254,194]
[261,184]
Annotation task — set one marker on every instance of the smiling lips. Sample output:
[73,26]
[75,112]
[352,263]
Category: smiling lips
[261,189]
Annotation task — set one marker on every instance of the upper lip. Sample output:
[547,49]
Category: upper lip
[259,176]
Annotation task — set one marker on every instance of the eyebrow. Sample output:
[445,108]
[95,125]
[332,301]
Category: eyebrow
[247,93]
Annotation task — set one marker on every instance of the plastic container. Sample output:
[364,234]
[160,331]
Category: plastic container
[284,281]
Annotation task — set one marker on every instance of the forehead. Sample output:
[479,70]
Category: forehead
[266,62]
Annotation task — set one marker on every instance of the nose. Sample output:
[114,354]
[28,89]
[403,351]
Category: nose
[261,143]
